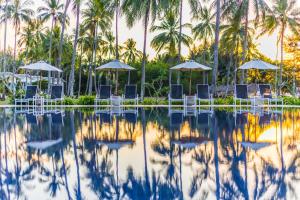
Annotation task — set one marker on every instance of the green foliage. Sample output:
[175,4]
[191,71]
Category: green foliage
[86,100]
[291,101]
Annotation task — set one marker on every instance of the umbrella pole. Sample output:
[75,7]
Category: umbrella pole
[170,78]
[117,76]
[49,77]
[128,77]
[190,82]
[203,76]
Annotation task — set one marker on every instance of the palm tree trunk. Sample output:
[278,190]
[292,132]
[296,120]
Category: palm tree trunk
[5,35]
[15,52]
[281,56]
[71,78]
[179,39]
[117,31]
[79,84]
[216,47]
[62,33]
[51,38]
[144,51]
[245,42]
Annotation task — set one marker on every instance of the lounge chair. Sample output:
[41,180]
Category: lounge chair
[31,91]
[204,94]
[265,92]
[56,94]
[104,94]
[131,94]
[176,94]
[241,94]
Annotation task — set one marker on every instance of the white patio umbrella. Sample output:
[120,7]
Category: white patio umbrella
[116,66]
[190,66]
[42,66]
[260,65]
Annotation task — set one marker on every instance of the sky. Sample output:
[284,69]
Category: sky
[266,44]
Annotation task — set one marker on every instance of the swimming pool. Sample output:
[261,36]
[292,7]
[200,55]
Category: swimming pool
[149,153]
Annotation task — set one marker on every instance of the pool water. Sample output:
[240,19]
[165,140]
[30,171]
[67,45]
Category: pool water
[149,153]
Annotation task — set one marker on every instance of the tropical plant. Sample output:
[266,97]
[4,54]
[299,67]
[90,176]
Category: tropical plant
[76,8]
[130,52]
[52,9]
[284,16]
[168,39]
[144,9]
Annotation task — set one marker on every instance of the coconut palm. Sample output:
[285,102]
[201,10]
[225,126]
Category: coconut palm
[130,53]
[216,46]
[95,17]
[31,37]
[5,17]
[170,37]
[107,45]
[204,30]
[282,16]
[76,8]
[64,21]
[52,9]
[114,6]
[144,9]
[19,12]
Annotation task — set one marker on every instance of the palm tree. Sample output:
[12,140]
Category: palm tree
[114,6]
[130,53]
[76,6]
[31,37]
[17,13]
[204,30]
[259,7]
[5,16]
[51,9]
[216,47]
[134,11]
[282,16]
[95,17]
[107,45]
[61,41]
[170,37]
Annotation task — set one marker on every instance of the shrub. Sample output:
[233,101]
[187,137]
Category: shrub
[86,100]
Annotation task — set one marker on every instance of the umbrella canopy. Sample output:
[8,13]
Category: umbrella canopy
[258,64]
[44,144]
[115,65]
[190,65]
[255,145]
[41,66]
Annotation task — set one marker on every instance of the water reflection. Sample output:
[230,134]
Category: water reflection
[149,154]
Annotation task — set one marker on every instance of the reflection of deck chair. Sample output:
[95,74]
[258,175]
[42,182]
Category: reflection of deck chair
[176,119]
[31,119]
[105,118]
[265,119]
[130,117]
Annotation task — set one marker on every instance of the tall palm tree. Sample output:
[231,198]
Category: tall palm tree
[76,7]
[204,30]
[143,9]
[114,6]
[51,9]
[5,16]
[19,11]
[282,16]
[216,46]
[170,37]
[107,45]
[130,53]
[258,9]
[61,41]
[95,17]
